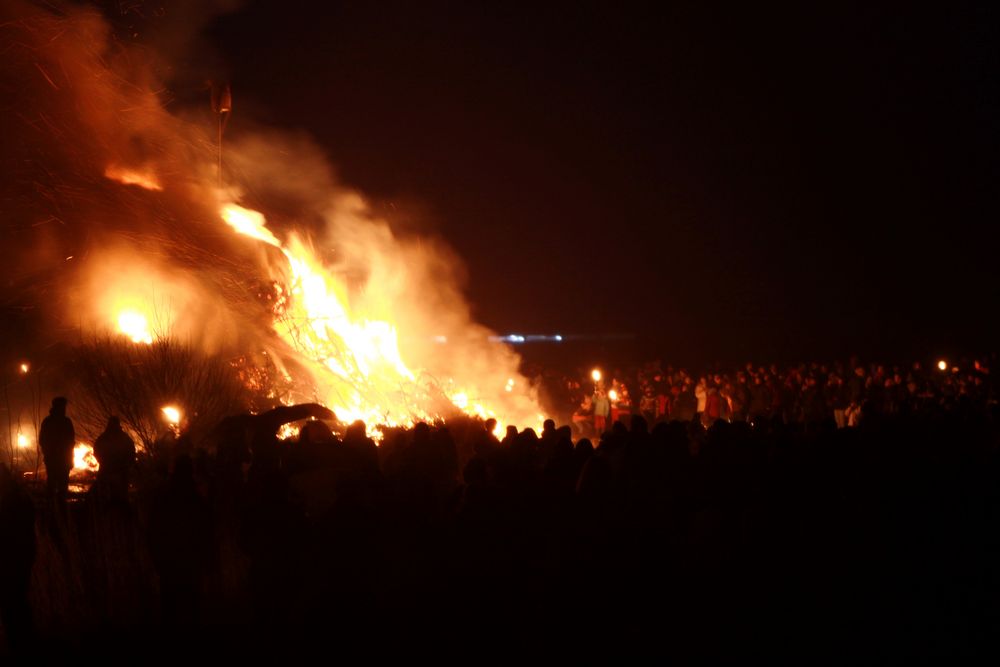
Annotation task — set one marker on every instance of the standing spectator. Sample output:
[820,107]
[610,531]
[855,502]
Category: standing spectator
[115,453]
[760,399]
[701,393]
[602,408]
[856,391]
[836,394]
[583,416]
[56,439]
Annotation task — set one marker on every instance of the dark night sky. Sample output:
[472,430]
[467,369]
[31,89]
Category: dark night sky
[721,182]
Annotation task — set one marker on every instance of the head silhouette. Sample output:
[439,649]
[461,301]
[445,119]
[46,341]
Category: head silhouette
[58,406]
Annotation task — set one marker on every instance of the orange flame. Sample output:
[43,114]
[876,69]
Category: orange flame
[357,364]
[83,457]
[135,325]
[144,179]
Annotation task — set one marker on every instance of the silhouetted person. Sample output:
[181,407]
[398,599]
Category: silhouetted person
[115,453]
[56,439]
[180,542]
[17,554]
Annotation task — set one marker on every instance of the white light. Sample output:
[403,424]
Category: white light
[942,365]
[557,338]
[596,374]
[172,415]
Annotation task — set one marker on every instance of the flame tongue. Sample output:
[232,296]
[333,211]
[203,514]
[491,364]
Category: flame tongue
[249,223]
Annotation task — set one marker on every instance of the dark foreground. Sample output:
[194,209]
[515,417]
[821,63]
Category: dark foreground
[767,543]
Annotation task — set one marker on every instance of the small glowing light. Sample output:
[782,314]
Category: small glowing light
[22,440]
[942,365]
[510,384]
[172,415]
[596,374]
[613,395]
[557,338]
[24,368]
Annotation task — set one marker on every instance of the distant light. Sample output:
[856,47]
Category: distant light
[557,338]
[24,368]
[613,395]
[942,365]
[172,415]
[510,384]
[22,440]
[596,374]
[134,325]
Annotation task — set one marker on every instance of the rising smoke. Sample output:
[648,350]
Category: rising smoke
[110,198]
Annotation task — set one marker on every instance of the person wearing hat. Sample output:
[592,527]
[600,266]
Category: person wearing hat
[56,439]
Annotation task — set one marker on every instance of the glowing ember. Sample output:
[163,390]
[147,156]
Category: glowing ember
[144,179]
[172,415]
[135,325]
[83,457]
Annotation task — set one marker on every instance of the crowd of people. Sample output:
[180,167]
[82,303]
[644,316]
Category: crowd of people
[803,393]
[744,526]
